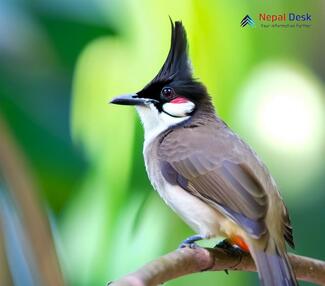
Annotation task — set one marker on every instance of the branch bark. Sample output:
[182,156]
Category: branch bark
[186,261]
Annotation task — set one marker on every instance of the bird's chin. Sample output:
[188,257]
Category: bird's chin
[148,113]
[144,108]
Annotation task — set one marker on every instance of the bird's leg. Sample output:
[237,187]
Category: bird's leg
[190,241]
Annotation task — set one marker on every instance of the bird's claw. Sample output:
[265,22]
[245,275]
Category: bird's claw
[192,245]
[190,242]
[232,249]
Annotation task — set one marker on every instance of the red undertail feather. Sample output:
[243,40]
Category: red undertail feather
[239,241]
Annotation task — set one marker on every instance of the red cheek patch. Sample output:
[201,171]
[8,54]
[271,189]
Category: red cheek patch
[179,100]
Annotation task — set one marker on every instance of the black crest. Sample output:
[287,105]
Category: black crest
[177,65]
[176,72]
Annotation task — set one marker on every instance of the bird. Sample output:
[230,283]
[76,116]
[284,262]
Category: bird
[205,172]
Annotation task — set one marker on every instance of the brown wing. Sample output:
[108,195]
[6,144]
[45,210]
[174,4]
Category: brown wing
[214,165]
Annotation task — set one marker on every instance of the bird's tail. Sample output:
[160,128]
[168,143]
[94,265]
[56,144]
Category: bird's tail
[273,266]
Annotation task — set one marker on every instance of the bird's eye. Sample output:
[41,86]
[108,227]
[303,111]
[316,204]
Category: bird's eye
[167,93]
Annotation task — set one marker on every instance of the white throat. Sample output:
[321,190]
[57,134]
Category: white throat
[155,122]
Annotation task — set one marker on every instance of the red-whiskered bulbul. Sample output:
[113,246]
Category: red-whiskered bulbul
[206,173]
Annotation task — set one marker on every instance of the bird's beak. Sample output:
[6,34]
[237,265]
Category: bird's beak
[132,99]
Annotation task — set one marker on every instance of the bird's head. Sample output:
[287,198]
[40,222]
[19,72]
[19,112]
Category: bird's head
[173,96]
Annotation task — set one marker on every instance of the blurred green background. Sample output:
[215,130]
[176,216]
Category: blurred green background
[61,62]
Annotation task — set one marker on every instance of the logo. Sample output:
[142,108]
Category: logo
[247,20]
[278,21]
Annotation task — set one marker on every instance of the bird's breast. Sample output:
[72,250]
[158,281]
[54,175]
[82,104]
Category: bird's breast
[201,217]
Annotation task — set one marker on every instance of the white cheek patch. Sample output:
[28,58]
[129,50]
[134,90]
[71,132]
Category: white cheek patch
[155,122]
[178,109]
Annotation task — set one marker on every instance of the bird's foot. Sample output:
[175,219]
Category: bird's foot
[233,250]
[190,241]
[230,248]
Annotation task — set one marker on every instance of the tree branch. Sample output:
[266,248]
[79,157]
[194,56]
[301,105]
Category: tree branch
[186,261]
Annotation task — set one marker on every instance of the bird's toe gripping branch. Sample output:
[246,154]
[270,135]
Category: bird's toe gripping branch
[190,241]
[229,247]
[235,247]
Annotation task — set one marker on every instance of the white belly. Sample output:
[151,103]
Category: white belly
[202,218]
[198,215]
